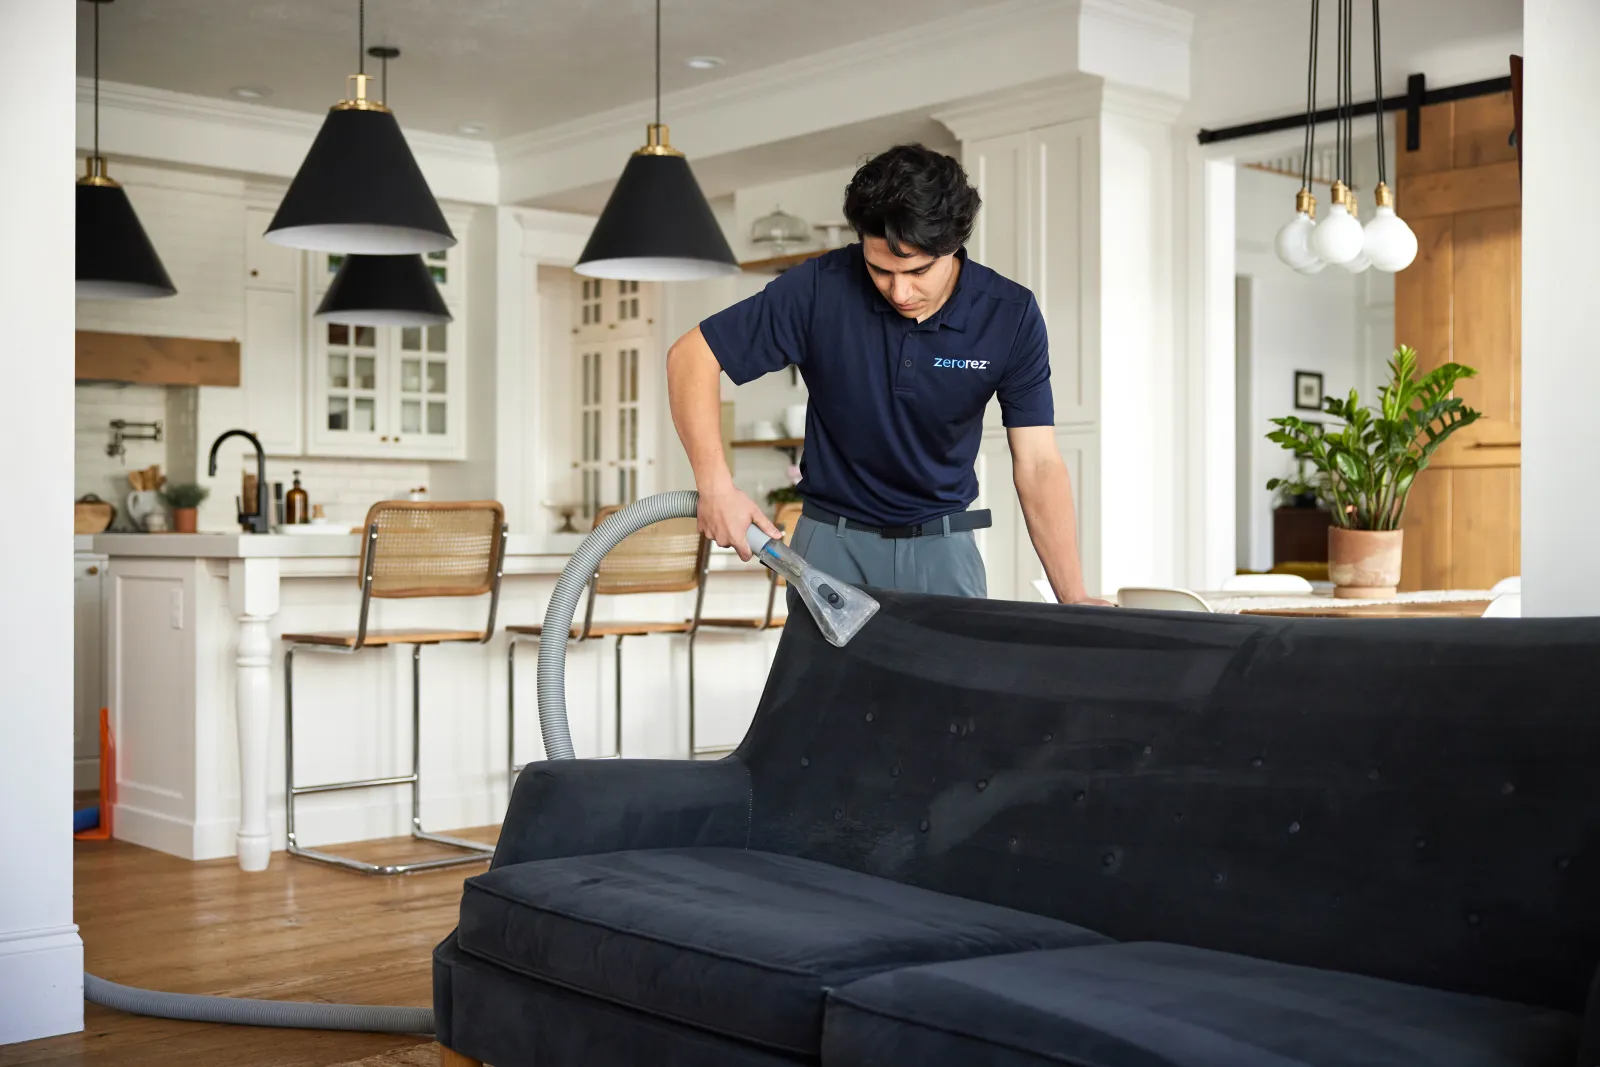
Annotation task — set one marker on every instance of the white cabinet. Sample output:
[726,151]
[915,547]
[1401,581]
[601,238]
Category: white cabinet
[389,392]
[608,308]
[88,667]
[271,353]
[266,264]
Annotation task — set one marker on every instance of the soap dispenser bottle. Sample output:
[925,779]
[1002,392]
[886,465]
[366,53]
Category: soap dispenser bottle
[297,505]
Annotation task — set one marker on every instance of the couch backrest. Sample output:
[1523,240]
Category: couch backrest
[1416,800]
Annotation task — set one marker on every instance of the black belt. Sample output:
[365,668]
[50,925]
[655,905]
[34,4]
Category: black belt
[960,522]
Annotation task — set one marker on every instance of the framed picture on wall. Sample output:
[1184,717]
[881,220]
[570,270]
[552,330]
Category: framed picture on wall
[1307,390]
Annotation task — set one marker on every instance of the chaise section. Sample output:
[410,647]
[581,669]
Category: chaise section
[1158,1005]
[742,944]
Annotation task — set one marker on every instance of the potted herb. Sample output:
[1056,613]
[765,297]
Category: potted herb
[784,494]
[1370,464]
[184,498]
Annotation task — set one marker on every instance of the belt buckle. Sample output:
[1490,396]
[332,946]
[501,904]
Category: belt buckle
[900,533]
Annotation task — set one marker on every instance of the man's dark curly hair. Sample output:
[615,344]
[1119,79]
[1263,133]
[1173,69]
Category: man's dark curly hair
[915,198]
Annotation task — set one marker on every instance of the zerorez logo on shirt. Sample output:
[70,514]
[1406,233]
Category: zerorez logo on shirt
[962,364]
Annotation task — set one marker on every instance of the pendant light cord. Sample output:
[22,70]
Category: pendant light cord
[1311,98]
[1377,89]
[1349,95]
[361,37]
[658,62]
[97,80]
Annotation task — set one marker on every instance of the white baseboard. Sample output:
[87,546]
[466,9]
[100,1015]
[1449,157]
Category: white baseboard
[176,837]
[41,972]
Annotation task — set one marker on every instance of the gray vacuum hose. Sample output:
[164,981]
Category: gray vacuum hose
[552,686]
[242,1012]
[552,677]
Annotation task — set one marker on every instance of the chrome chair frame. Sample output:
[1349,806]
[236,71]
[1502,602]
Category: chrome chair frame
[477,850]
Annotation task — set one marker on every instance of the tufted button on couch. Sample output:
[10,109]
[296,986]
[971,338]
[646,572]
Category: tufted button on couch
[988,833]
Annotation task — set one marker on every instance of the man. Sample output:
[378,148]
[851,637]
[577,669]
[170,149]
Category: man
[902,340]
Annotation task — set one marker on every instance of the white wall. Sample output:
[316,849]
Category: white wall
[1297,322]
[1560,319]
[41,956]
[817,198]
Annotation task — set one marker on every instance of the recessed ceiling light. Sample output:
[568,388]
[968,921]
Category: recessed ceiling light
[704,62]
[250,92]
[470,128]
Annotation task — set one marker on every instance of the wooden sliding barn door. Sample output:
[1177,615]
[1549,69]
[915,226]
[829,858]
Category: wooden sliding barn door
[1461,301]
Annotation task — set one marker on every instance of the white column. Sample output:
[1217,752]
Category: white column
[1560,319]
[1078,184]
[41,957]
[253,597]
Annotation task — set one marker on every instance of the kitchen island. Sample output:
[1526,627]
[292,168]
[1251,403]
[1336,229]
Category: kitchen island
[193,677]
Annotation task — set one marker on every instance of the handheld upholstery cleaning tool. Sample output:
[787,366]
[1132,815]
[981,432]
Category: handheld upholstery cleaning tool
[841,610]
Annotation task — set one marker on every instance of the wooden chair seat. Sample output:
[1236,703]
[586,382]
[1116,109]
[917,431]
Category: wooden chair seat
[378,638]
[746,624]
[613,629]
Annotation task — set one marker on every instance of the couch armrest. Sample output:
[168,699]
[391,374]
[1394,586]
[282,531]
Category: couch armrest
[581,807]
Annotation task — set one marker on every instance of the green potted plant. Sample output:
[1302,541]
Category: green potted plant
[1369,465]
[184,499]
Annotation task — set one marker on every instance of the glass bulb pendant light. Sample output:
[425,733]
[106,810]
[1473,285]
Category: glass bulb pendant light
[114,259]
[383,290]
[1389,243]
[657,226]
[1360,262]
[360,189]
[1293,243]
[1339,237]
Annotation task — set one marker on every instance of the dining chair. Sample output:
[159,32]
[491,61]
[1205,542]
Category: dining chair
[1512,584]
[1152,598]
[411,549]
[665,557]
[1287,584]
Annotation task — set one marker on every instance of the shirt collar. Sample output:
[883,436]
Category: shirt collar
[954,312]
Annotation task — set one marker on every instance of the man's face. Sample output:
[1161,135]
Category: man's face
[914,285]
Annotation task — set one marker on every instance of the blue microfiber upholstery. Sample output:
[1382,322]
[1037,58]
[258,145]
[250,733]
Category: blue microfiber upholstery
[1149,1004]
[738,943]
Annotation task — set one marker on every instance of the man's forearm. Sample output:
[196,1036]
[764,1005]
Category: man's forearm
[694,391]
[1045,490]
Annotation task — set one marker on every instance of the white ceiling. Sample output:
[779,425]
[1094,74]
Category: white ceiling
[510,65]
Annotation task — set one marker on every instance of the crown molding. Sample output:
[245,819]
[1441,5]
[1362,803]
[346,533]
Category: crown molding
[1151,16]
[161,126]
[800,73]
[1028,107]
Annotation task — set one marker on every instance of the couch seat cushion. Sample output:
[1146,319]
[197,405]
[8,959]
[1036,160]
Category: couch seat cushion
[740,943]
[1157,1005]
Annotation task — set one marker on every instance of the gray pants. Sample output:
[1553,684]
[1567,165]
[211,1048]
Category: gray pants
[949,564]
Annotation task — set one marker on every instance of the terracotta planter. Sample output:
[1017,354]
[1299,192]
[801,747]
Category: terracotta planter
[184,520]
[1364,564]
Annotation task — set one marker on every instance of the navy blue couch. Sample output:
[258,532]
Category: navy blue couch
[990,833]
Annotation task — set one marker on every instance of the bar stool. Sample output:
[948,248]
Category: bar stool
[664,557]
[786,518]
[410,549]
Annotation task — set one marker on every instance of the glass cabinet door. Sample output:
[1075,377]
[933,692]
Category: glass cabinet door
[423,385]
[351,382]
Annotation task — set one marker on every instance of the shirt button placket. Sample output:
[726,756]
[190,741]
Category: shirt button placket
[902,378]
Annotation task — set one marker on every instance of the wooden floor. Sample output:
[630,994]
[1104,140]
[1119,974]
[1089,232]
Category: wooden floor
[297,931]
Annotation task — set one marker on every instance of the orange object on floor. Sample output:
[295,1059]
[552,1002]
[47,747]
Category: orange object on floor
[108,782]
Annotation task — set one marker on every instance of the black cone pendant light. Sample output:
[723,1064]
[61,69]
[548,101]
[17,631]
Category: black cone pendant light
[383,290]
[657,226]
[360,189]
[115,260]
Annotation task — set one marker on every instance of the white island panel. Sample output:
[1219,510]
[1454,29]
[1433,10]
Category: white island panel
[195,626]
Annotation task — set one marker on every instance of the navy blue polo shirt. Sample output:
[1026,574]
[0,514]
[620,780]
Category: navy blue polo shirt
[896,411]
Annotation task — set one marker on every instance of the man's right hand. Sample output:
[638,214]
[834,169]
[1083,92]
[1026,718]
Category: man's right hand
[725,517]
